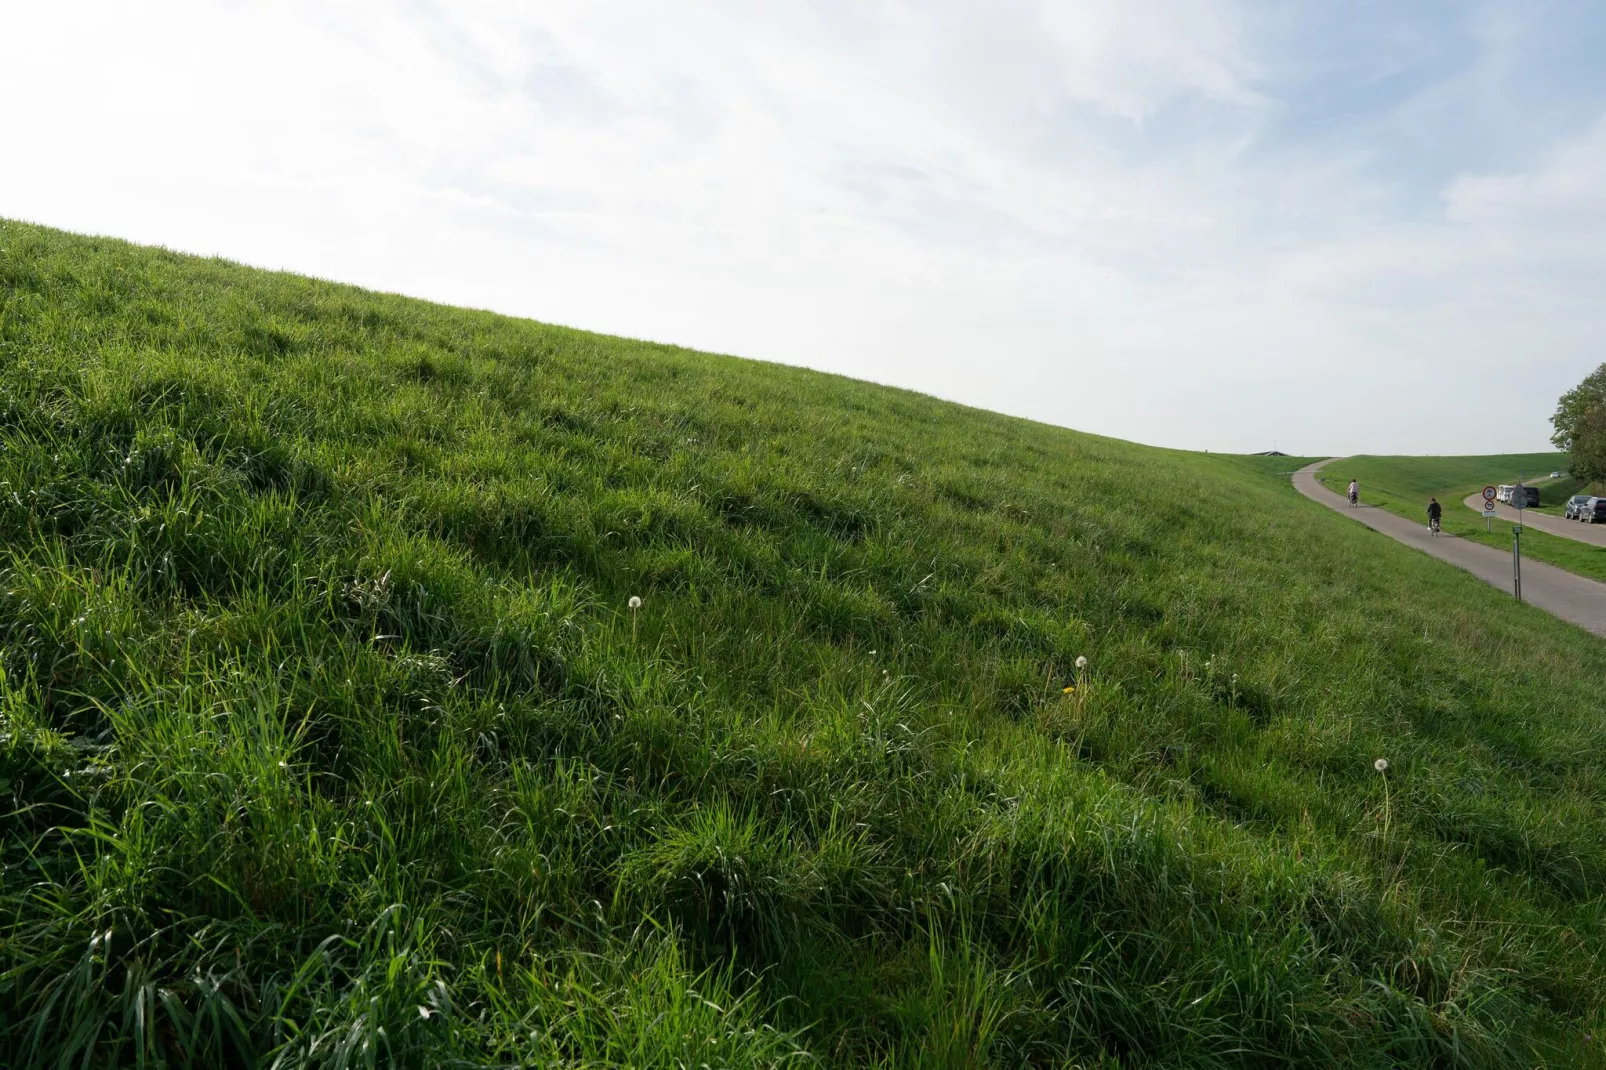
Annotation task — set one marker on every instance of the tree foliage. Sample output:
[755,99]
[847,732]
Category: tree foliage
[1580,425]
[1588,460]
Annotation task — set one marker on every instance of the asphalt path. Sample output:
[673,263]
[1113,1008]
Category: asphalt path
[1594,534]
[1565,594]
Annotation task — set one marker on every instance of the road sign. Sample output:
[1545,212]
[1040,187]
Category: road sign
[1488,510]
[1519,497]
[1489,493]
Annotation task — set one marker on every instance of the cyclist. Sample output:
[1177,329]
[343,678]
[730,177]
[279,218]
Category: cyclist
[1435,511]
[1354,492]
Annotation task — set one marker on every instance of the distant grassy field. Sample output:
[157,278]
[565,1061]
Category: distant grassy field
[330,735]
[1411,480]
[1403,484]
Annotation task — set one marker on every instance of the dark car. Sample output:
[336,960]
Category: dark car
[1593,511]
[1532,494]
[1575,506]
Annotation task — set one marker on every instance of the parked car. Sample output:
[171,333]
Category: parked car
[1531,494]
[1575,506]
[1502,493]
[1593,511]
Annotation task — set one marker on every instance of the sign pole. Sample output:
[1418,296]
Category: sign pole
[1519,498]
[1516,560]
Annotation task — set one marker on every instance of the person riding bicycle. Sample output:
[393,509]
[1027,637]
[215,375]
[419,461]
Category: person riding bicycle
[1435,511]
[1354,492]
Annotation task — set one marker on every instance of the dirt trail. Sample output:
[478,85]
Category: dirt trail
[1568,596]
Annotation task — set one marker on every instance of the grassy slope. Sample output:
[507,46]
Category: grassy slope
[1555,493]
[324,721]
[1403,484]
[1419,477]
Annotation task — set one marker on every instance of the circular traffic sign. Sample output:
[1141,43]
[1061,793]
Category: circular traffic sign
[1489,494]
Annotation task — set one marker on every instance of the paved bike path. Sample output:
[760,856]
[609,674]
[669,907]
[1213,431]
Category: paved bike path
[1565,594]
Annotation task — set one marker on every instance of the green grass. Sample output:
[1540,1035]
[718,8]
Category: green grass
[1555,492]
[1414,479]
[330,739]
[1403,485]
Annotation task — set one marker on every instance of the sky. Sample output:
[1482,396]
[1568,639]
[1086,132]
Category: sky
[1325,228]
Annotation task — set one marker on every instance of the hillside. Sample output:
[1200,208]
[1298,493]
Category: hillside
[1415,478]
[1402,485]
[330,736]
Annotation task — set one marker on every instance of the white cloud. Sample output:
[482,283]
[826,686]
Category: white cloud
[1558,195]
[1071,211]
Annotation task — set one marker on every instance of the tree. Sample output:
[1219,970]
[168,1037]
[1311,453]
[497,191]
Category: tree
[1588,459]
[1580,425]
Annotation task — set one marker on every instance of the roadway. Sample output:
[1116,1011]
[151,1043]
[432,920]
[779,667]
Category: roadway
[1594,534]
[1565,594]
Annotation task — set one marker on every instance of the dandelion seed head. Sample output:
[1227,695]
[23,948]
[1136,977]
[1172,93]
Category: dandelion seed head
[635,601]
[1381,765]
[1081,661]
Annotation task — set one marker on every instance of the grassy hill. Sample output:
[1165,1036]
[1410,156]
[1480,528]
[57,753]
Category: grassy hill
[1414,479]
[330,736]
[1403,485]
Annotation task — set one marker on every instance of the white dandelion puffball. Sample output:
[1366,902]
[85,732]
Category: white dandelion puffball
[1381,764]
[635,602]
[1081,662]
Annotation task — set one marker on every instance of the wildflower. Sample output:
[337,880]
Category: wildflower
[1381,765]
[635,602]
[1069,691]
[1081,662]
